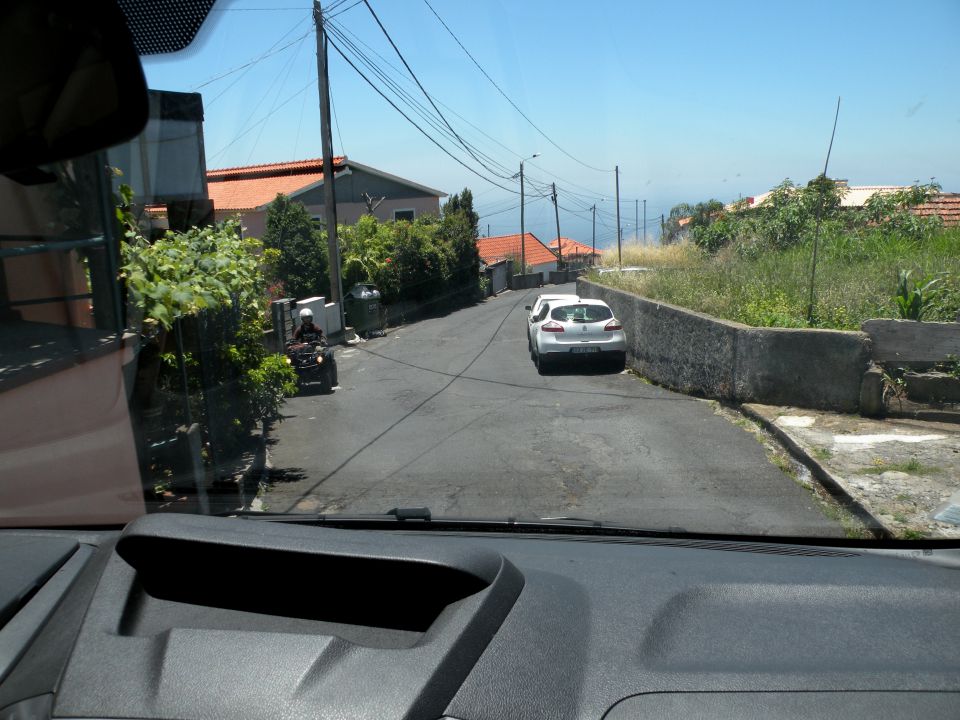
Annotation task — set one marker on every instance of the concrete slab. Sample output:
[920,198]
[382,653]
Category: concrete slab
[901,472]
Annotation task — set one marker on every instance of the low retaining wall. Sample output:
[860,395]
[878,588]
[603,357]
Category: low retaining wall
[558,277]
[699,354]
[525,282]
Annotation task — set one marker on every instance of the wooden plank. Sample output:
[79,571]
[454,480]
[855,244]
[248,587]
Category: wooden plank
[912,343]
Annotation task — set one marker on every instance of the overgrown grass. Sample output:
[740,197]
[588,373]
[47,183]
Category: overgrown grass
[856,278]
[911,466]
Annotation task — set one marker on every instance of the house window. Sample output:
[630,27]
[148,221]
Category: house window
[407,214]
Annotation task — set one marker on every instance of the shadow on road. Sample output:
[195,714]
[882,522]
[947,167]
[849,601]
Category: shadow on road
[285,475]
[586,370]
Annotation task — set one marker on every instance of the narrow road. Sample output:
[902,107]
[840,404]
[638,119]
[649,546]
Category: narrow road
[450,413]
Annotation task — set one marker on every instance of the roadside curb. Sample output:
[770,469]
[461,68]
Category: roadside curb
[830,482]
[257,471]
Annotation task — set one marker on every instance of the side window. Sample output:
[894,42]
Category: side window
[543,312]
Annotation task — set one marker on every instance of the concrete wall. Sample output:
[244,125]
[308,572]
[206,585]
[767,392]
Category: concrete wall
[558,277]
[524,282]
[499,274]
[702,355]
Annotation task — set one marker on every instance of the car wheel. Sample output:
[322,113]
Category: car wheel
[619,362]
[542,364]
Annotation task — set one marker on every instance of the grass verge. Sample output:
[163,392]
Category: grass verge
[856,279]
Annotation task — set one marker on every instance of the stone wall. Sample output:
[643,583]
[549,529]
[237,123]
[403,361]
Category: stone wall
[702,355]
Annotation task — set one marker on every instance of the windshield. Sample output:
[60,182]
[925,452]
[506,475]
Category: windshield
[310,284]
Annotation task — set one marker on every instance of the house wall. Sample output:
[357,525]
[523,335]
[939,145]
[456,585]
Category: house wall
[351,204]
[545,268]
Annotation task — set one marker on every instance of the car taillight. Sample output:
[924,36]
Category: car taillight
[613,325]
[552,327]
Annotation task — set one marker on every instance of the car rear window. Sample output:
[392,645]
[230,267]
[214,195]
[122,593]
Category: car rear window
[581,313]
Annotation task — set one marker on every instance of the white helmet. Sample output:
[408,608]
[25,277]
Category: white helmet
[306,315]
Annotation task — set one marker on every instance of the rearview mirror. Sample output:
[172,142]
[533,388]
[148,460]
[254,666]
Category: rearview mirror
[527,308]
[70,81]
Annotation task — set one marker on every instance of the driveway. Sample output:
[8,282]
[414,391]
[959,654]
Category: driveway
[450,413]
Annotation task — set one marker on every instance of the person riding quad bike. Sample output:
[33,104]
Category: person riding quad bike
[309,355]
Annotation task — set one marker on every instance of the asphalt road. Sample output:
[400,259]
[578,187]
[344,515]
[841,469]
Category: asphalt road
[450,413]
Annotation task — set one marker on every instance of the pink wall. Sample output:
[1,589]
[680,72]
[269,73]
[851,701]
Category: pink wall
[67,452]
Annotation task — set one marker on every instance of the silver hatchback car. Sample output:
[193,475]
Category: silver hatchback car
[581,330]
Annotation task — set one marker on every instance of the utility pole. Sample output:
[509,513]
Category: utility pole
[661,228]
[644,222]
[488,229]
[523,233]
[556,214]
[636,218]
[593,258]
[326,139]
[619,229]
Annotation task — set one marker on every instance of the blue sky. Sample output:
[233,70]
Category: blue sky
[691,100]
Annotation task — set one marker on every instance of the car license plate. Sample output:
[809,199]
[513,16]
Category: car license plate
[584,349]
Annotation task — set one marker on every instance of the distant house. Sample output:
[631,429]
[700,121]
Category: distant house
[574,252]
[502,247]
[360,189]
[946,205]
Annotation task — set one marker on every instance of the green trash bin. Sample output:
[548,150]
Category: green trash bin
[361,305]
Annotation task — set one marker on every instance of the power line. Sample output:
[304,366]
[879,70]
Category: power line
[354,43]
[262,120]
[425,93]
[336,31]
[329,16]
[337,121]
[411,121]
[507,97]
[290,64]
[250,63]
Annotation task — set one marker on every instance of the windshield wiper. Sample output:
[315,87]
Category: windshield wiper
[421,518]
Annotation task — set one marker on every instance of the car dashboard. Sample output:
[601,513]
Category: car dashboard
[181,616]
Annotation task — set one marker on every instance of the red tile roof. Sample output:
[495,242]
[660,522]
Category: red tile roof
[253,186]
[572,247]
[494,249]
[946,205]
[296,167]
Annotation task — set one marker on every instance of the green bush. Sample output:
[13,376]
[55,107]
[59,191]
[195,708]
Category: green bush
[856,278]
[206,285]
[418,261]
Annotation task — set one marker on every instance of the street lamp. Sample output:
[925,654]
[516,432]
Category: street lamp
[523,233]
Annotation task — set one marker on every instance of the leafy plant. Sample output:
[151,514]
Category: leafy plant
[182,273]
[208,282]
[894,386]
[913,298]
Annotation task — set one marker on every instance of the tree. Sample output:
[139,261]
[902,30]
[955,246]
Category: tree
[460,229]
[463,203]
[302,265]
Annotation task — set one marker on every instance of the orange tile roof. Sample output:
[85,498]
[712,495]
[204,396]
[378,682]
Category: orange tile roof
[253,186]
[255,193]
[494,249]
[946,205]
[572,247]
[295,167]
